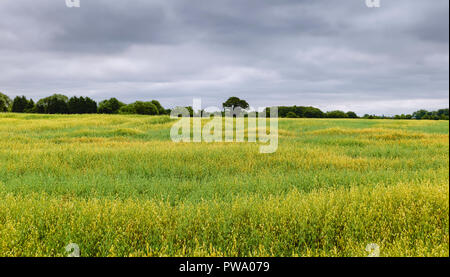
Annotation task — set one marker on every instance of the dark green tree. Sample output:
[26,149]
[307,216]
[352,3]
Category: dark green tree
[21,104]
[300,111]
[75,105]
[5,103]
[147,108]
[443,114]
[127,109]
[190,110]
[55,104]
[291,115]
[283,111]
[311,112]
[235,102]
[336,114]
[82,105]
[351,114]
[30,107]
[160,108]
[420,114]
[90,106]
[110,106]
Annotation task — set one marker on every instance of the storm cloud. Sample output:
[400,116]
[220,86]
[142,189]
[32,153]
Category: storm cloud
[329,54]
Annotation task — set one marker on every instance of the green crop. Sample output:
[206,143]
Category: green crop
[116,185]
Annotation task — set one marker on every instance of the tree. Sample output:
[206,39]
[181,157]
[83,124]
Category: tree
[283,111]
[139,107]
[147,108]
[5,103]
[420,114]
[235,102]
[82,105]
[90,106]
[160,108]
[127,109]
[443,114]
[351,114]
[291,115]
[55,104]
[110,106]
[30,107]
[311,112]
[336,114]
[300,111]
[190,110]
[21,104]
[75,105]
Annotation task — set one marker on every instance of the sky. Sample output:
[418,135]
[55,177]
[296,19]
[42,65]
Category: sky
[324,53]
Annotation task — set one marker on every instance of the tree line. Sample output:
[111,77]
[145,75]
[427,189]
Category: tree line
[61,104]
[312,112]
[441,114]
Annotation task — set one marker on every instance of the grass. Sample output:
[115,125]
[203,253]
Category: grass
[118,186]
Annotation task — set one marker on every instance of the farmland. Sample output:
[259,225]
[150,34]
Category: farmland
[116,185]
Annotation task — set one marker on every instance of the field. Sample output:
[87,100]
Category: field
[116,185]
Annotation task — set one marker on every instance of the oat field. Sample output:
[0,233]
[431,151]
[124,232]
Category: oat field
[116,185]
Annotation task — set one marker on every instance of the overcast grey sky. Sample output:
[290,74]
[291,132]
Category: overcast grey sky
[330,54]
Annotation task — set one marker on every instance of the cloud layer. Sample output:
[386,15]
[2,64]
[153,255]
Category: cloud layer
[329,54]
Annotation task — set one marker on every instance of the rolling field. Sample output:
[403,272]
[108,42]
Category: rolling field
[116,185]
